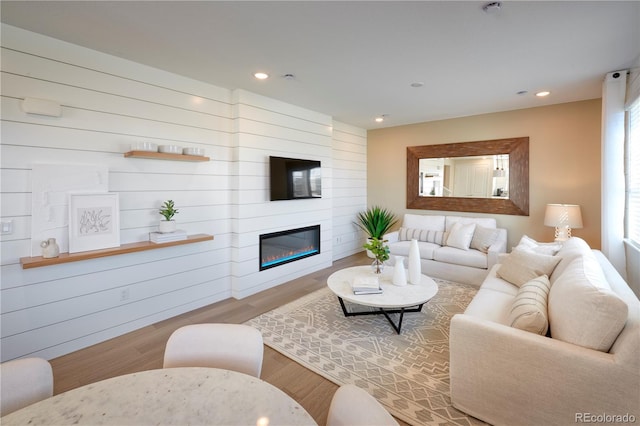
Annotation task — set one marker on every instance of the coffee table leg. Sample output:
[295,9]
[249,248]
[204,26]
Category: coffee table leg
[386,313]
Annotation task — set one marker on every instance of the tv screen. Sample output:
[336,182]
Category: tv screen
[293,178]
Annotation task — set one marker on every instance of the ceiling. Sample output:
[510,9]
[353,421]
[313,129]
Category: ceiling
[355,60]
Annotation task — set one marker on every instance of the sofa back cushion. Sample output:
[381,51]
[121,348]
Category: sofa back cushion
[420,221]
[571,249]
[583,309]
[487,222]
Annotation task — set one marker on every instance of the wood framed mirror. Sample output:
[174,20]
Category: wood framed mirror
[516,202]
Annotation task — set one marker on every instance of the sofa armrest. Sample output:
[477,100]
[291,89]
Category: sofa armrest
[498,247]
[533,379]
[392,237]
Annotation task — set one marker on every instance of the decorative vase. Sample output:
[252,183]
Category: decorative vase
[415,273]
[399,274]
[167,226]
[377,266]
[369,252]
[50,248]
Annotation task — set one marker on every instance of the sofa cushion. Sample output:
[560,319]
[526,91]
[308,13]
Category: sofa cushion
[401,248]
[494,282]
[455,256]
[491,306]
[483,238]
[460,235]
[583,309]
[571,249]
[487,222]
[426,235]
[528,243]
[529,308]
[521,266]
[421,221]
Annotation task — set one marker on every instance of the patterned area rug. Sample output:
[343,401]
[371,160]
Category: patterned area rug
[407,373]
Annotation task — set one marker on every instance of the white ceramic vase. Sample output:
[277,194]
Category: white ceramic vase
[399,273]
[415,272]
[50,248]
[167,226]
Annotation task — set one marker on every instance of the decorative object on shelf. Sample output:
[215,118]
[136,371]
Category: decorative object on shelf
[94,221]
[380,251]
[399,273]
[170,149]
[167,210]
[50,248]
[563,217]
[193,151]
[165,237]
[375,222]
[415,269]
[144,146]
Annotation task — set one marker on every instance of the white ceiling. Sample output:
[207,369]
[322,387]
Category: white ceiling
[355,60]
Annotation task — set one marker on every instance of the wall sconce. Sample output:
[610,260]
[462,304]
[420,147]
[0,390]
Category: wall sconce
[563,217]
[41,107]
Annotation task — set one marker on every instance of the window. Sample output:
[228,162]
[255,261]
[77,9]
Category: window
[633,174]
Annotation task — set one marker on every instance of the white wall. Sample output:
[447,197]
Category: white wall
[108,103]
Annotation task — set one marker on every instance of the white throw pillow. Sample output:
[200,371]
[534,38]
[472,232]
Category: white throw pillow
[460,235]
[426,235]
[522,266]
[483,238]
[528,243]
[529,308]
[583,309]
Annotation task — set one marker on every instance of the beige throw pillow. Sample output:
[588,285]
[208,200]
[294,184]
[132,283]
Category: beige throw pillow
[522,266]
[483,238]
[460,235]
[529,308]
[426,235]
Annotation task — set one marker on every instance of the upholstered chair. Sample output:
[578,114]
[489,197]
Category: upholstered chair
[234,347]
[24,382]
[353,406]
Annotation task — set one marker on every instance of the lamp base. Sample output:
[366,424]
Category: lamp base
[562,233]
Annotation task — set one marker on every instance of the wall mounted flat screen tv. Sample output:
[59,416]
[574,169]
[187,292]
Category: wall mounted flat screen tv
[294,178]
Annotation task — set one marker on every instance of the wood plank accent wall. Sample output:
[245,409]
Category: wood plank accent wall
[109,103]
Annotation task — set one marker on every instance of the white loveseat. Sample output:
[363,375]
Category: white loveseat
[463,256]
[557,354]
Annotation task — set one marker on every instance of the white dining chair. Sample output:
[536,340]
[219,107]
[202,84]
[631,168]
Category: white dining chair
[353,406]
[234,347]
[24,382]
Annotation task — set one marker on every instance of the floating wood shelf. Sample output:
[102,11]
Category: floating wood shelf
[36,262]
[164,156]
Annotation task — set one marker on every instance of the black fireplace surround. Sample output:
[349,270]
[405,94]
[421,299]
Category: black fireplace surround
[282,247]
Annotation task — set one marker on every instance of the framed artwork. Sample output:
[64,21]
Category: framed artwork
[94,221]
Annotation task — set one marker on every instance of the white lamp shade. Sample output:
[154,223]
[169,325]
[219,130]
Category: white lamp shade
[563,215]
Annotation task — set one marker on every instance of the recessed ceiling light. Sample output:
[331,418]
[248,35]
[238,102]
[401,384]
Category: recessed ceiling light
[543,94]
[417,84]
[261,75]
[380,118]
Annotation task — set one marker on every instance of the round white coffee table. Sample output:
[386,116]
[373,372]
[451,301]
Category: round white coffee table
[393,299]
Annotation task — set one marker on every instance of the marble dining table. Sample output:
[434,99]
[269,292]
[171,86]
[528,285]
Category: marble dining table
[172,396]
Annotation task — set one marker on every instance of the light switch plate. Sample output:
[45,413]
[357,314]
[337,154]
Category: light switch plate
[7,226]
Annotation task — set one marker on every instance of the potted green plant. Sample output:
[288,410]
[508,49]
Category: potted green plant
[380,252]
[376,221]
[167,211]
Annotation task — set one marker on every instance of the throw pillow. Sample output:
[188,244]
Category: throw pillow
[460,235]
[522,266]
[528,243]
[583,309]
[483,238]
[426,235]
[529,308]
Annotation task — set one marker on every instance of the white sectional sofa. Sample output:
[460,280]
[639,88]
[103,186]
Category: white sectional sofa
[556,351]
[464,255]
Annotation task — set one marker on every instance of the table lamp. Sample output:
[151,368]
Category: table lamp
[563,217]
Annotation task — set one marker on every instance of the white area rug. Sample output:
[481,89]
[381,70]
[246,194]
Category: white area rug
[407,373]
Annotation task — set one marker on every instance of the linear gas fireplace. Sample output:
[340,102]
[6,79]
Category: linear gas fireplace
[283,247]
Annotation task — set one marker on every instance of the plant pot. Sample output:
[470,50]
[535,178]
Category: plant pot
[167,226]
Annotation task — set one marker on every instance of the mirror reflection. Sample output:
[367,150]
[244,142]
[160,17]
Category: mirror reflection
[484,176]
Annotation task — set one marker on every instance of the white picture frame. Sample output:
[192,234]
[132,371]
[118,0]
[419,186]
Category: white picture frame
[94,221]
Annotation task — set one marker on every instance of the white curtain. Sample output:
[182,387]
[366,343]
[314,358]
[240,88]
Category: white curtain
[613,196]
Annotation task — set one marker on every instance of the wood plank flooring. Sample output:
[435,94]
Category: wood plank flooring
[143,349]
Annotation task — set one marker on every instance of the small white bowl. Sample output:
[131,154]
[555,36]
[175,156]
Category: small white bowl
[170,149]
[144,146]
[193,151]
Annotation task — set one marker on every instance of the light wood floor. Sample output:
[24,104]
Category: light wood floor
[143,349]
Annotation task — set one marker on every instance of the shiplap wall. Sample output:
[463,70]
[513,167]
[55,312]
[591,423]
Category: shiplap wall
[109,103]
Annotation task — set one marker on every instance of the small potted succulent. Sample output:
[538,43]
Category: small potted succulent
[167,211]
